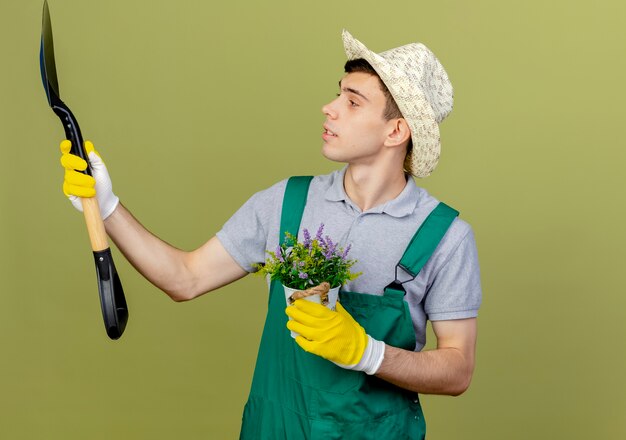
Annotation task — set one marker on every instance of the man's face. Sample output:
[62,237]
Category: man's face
[355,129]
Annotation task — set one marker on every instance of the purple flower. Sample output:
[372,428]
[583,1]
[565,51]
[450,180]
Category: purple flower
[279,254]
[331,247]
[303,276]
[301,264]
[345,252]
[307,238]
[329,242]
[318,236]
[319,232]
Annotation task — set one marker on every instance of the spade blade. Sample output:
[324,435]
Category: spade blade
[46,59]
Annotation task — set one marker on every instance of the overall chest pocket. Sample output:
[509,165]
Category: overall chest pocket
[384,317]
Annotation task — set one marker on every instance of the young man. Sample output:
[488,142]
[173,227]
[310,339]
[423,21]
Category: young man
[353,373]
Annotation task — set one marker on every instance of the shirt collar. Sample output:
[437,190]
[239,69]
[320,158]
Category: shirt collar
[335,192]
[403,205]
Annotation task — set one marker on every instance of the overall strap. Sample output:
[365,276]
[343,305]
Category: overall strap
[424,242]
[293,205]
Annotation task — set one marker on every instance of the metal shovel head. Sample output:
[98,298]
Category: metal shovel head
[46,59]
[48,68]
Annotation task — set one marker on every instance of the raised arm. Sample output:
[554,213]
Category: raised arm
[180,274]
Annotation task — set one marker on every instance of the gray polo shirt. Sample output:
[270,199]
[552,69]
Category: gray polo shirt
[448,286]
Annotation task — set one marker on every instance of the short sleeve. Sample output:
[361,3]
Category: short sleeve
[455,292]
[244,235]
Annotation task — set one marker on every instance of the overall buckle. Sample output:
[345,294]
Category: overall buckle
[397,284]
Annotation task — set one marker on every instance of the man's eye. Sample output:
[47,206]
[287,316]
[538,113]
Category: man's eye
[350,101]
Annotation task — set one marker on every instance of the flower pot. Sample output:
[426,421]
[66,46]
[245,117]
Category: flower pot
[331,300]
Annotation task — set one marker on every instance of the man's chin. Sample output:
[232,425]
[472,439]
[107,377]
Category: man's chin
[332,155]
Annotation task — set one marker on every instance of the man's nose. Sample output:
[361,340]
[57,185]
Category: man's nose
[329,109]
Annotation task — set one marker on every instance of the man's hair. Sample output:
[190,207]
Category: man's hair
[391,108]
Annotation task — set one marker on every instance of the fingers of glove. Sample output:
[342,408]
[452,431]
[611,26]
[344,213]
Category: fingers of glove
[307,332]
[339,308]
[89,148]
[344,313]
[313,309]
[79,179]
[308,346]
[65,146]
[73,162]
[78,191]
[304,318]
[78,184]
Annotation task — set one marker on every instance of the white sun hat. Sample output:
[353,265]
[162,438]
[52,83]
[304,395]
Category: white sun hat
[421,88]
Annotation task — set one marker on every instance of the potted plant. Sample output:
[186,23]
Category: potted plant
[314,269]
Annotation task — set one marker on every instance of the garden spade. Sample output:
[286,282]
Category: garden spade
[112,300]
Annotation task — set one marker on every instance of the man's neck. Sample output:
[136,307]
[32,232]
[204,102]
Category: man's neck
[369,186]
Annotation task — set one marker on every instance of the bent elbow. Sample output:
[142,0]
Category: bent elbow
[456,392]
[185,295]
[183,291]
[179,295]
[462,386]
[176,297]
[179,298]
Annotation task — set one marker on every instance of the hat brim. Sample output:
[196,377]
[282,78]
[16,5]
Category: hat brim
[411,102]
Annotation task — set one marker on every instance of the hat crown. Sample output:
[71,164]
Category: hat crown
[422,69]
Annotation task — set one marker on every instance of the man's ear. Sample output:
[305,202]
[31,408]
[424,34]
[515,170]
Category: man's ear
[398,134]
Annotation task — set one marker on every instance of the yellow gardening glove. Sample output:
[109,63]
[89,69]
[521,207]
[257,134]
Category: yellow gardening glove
[77,185]
[334,335]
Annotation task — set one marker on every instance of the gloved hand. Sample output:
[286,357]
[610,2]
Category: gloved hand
[76,185]
[335,335]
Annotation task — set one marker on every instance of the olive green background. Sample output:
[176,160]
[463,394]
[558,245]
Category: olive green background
[196,105]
